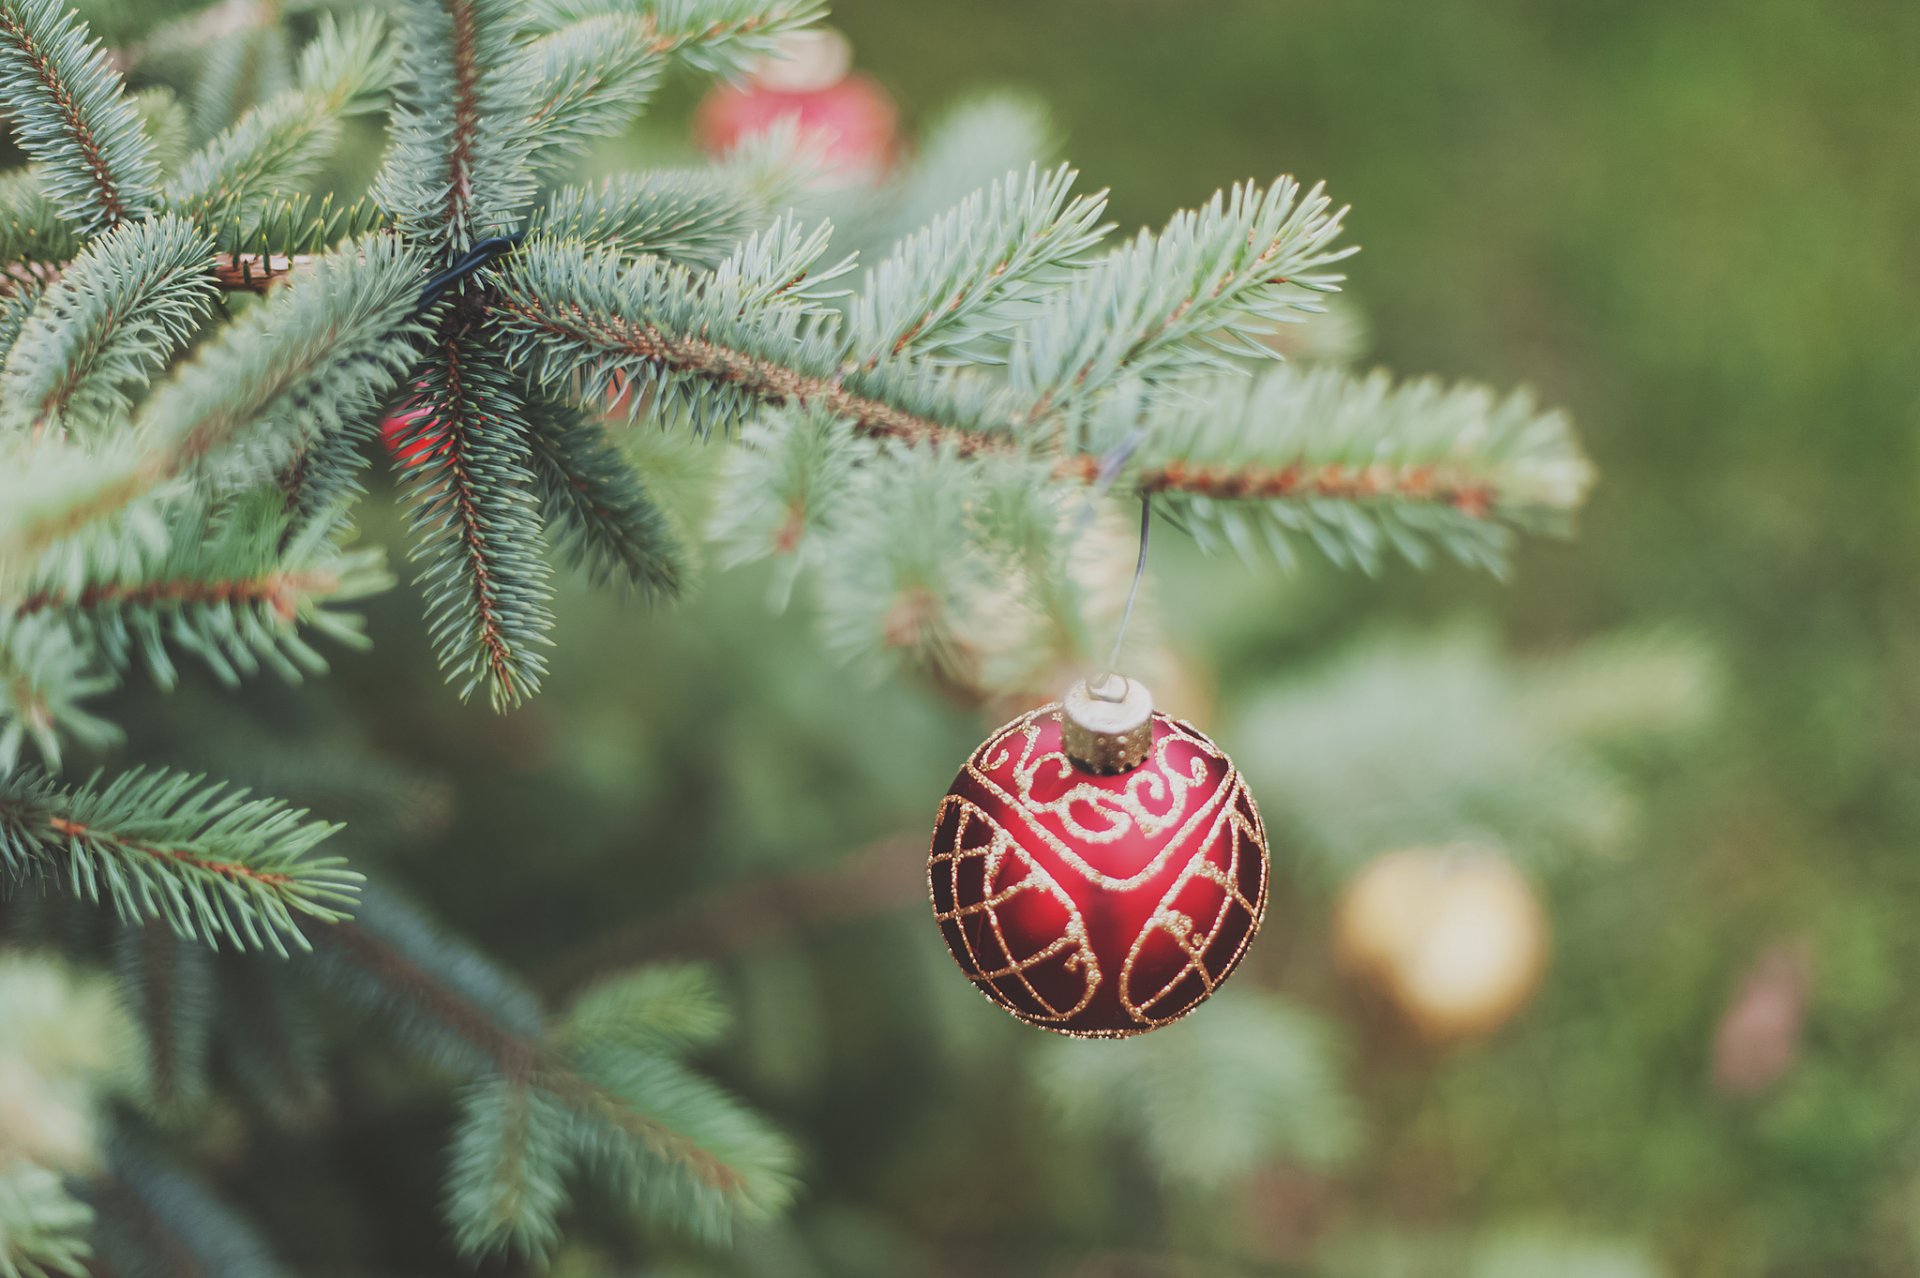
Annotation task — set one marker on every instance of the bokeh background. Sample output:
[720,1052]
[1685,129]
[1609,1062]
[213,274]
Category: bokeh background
[1693,730]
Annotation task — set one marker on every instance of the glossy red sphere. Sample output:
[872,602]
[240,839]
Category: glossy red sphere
[1094,905]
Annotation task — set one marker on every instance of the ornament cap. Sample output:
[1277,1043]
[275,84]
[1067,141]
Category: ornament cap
[1106,723]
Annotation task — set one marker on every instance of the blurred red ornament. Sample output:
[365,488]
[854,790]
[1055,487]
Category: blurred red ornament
[1098,904]
[408,440]
[846,114]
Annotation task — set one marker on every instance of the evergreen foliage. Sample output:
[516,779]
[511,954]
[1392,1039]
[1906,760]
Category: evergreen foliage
[196,354]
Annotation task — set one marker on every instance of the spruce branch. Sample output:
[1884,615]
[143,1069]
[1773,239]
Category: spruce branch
[315,356]
[679,1148]
[476,524]
[689,218]
[43,1227]
[45,676]
[590,321]
[346,70]
[587,80]
[206,859]
[606,1091]
[598,513]
[784,488]
[903,571]
[70,513]
[693,217]
[963,275]
[510,1162]
[454,171]
[322,480]
[236,589]
[778,270]
[1358,465]
[259,245]
[662,1006]
[72,116]
[1174,304]
[966,146]
[720,37]
[31,230]
[118,312]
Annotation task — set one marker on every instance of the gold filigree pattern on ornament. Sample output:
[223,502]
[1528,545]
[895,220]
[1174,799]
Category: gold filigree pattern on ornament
[1034,879]
[1119,812]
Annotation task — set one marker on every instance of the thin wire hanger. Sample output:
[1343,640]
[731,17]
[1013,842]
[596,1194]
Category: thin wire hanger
[1102,685]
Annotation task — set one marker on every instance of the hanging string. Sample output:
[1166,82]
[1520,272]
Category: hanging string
[1133,591]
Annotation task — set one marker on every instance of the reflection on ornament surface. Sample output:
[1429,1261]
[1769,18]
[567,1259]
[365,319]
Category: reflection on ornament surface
[1101,906]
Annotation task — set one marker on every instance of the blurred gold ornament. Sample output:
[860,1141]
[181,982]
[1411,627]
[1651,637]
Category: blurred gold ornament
[42,1121]
[1453,937]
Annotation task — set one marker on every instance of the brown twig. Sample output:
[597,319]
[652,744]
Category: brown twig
[764,379]
[700,357]
[279,590]
[234,870]
[234,272]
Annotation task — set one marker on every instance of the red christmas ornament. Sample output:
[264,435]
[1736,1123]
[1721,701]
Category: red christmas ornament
[406,441]
[1098,869]
[848,115]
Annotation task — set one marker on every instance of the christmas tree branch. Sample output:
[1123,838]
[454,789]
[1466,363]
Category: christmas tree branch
[452,173]
[599,514]
[593,321]
[231,272]
[588,80]
[476,525]
[693,217]
[581,317]
[287,237]
[1172,305]
[72,116]
[229,588]
[283,591]
[313,356]
[43,1226]
[344,71]
[44,678]
[208,861]
[596,1092]
[1358,465]
[115,315]
[718,36]
[959,278]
